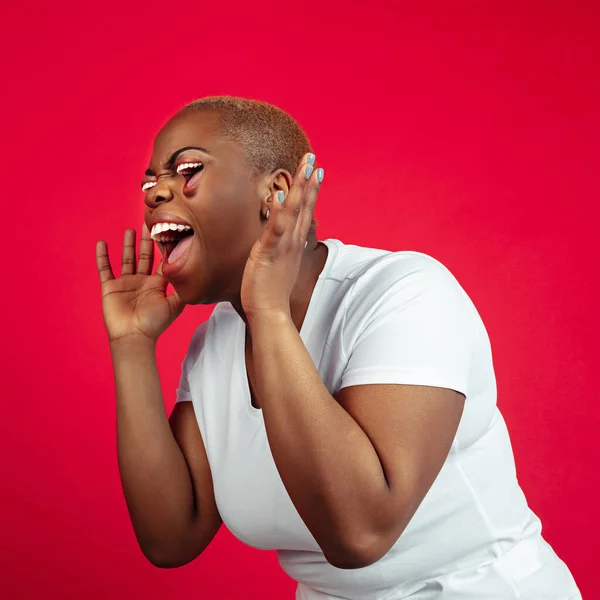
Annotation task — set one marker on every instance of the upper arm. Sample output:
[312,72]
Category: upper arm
[186,431]
[411,428]
[409,337]
[208,520]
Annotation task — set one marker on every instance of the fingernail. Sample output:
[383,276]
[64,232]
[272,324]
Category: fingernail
[280,196]
[311,159]
[320,175]
[309,171]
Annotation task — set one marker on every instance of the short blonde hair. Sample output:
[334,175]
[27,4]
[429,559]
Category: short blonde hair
[271,138]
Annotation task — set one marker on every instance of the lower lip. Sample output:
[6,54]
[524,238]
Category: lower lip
[171,269]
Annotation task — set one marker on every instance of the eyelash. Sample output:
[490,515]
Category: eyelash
[189,170]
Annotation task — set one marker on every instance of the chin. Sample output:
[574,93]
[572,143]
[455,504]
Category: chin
[191,294]
[187,293]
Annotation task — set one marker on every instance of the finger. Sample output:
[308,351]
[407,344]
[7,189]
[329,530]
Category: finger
[128,259]
[311,193]
[295,198]
[165,281]
[146,258]
[308,159]
[294,194]
[306,187]
[300,180]
[276,227]
[103,262]
[285,210]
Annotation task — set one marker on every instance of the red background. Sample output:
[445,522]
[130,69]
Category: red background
[466,131]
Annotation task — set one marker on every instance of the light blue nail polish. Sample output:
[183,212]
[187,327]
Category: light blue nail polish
[309,171]
[310,159]
[280,196]
[320,175]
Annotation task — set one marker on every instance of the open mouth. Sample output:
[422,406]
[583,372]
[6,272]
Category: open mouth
[173,240]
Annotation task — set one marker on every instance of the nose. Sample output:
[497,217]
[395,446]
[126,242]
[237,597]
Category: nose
[161,192]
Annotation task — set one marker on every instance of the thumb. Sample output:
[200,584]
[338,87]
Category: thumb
[164,282]
[176,304]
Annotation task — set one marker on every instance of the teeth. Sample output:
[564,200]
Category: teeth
[160,227]
[184,166]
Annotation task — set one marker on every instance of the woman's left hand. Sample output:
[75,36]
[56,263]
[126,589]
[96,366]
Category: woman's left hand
[274,261]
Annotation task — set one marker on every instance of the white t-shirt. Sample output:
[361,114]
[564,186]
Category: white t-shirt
[377,316]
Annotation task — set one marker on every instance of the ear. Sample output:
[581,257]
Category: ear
[280,179]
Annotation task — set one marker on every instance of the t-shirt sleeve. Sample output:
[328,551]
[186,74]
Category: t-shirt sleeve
[195,347]
[409,322]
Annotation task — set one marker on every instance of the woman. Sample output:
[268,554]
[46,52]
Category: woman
[339,405]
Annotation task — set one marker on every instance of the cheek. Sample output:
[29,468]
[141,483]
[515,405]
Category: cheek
[224,206]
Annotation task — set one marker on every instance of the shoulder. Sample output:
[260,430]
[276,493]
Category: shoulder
[398,266]
[406,279]
[195,346]
[221,319]
[364,267]
[408,321]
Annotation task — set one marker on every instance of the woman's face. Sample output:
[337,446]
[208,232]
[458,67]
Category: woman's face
[197,177]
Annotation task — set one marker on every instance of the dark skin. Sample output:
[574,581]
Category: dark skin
[356,464]
[227,213]
[230,205]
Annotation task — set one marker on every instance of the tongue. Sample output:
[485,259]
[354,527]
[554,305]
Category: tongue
[181,247]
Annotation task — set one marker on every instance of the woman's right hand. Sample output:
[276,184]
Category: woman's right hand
[135,305]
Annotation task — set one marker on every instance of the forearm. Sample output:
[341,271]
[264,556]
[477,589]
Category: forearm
[154,475]
[326,461]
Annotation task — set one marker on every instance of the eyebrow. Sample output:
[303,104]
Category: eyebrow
[169,165]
